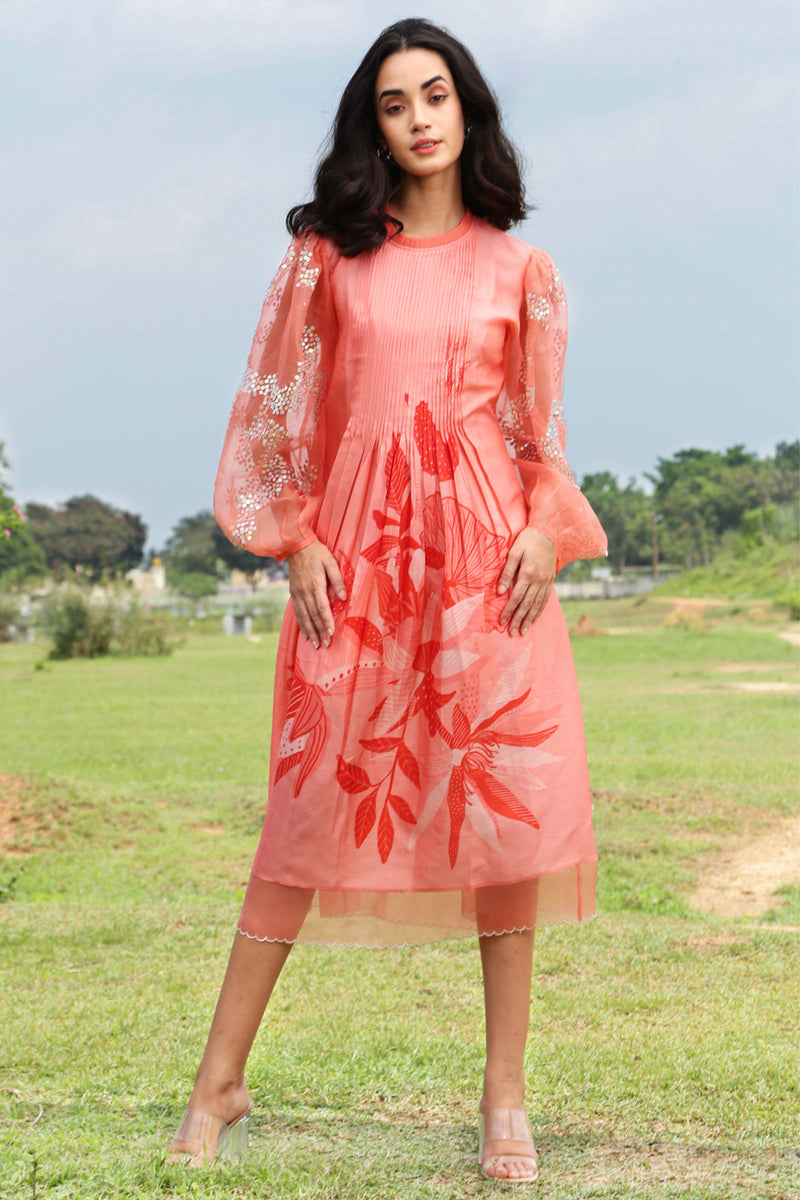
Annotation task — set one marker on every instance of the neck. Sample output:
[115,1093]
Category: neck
[429,205]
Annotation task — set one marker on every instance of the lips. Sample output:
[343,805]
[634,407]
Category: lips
[425,144]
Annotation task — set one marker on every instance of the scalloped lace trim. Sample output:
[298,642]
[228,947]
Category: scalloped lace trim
[450,935]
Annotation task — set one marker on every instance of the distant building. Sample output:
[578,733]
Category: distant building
[148,580]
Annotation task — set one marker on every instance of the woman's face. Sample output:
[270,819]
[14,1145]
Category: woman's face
[419,112]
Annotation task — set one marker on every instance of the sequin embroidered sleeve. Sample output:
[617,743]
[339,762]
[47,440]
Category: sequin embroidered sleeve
[531,416]
[268,484]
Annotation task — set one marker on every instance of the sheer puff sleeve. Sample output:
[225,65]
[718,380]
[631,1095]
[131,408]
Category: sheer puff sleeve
[268,483]
[532,418]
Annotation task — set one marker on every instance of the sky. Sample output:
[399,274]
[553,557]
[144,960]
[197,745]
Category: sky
[156,145]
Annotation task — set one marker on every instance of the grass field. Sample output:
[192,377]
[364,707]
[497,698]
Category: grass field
[663,1057]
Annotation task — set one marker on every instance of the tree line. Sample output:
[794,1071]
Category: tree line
[697,501]
[700,499]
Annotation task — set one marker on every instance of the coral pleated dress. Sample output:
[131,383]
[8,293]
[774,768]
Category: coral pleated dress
[428,771]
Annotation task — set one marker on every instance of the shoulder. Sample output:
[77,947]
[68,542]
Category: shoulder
[535,267]
[310,255]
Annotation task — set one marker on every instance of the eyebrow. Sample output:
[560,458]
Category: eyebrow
[422,87]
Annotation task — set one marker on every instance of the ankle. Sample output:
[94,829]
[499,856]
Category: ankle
[221,1096]
[503,1089]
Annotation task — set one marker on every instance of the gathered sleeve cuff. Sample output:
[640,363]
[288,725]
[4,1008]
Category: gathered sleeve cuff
[531,417]
[268,483]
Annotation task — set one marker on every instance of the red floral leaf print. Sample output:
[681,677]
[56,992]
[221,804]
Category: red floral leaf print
[398,474]
[433,532]
[403,811]
[430,701]
[408,764]
[500,799]
[311,753]
[376,712]
[365,818]
[353,679]
[412,601]
[424,436]
[460,727]
[380,745]
[474,554]
[501,712]
[379,518]
[306,718]
[304,709]
[388,599]
[406,514]
[351,777]
[525,739]
[437,458]
[456,803]
[385,834]
[425,655]
[368,633]
[348,575]
[285,765]
[381,549]
[401,720]
[455,367]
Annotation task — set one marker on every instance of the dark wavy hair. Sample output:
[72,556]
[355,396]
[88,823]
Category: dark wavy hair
[353,187]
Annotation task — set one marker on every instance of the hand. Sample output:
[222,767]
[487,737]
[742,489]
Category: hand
[529,571]
[310,571]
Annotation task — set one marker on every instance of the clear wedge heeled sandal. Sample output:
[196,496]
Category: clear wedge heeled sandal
[507,1125]
[202,1140]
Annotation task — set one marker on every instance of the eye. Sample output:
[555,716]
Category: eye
[391,109]
[437,97]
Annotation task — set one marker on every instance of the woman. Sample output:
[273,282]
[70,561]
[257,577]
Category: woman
[398,438]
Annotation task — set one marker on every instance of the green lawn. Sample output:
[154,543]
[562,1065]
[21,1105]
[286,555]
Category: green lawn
[663,1056]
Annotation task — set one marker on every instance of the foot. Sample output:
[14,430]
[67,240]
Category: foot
[506,1145]
[210,1123]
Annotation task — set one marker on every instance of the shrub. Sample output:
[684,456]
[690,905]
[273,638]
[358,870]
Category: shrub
[78,627]
[142,633]
[194,585]
[81,627]
[9,617]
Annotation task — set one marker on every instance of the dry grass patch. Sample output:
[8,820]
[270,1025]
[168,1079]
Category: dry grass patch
[744,879]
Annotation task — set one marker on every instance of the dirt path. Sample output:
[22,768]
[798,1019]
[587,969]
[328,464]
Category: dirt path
[742,881]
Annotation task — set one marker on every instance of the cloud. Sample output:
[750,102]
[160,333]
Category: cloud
[211,29]
[722,146]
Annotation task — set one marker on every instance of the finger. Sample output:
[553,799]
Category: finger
[516,608]
[509,571]
[319,609]
[304,621]
[322,615]
[530,604]
[520,612]
[313,625]
[515,598]
[336,579]
[542,600]
[537,607]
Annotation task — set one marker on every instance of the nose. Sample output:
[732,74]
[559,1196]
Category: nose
[419,119]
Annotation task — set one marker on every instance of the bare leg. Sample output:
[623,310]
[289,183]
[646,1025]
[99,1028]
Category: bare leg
[507,962]
[220,1095]
[253,970]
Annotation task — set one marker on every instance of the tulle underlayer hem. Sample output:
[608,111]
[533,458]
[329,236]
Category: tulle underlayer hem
[278,912]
